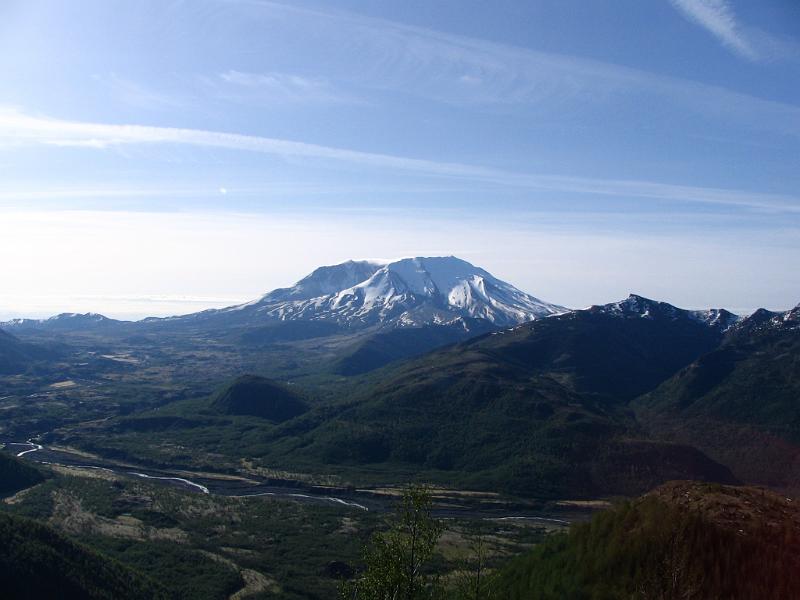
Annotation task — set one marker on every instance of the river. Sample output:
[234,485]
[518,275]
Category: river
[297,491]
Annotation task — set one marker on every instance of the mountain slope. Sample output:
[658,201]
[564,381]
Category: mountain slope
[748,392]
[398,343]
[683,540]
[13,355]
[618,350]
[540,409]
[36,562]
[326,280]
[16,356]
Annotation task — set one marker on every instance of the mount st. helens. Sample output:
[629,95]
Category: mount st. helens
[410,292]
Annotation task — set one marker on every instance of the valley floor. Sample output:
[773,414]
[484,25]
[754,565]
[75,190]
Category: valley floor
[219,544]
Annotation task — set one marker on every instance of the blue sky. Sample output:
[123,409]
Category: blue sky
[158,157]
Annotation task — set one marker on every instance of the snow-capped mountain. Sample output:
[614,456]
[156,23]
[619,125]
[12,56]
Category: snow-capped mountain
[63,321]
[765,320]
[635,306]
[407,292]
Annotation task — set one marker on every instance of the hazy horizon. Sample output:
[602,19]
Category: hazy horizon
[135,308]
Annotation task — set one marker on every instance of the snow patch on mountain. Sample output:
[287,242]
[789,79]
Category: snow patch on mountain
[416,291]
[325,280]
[62,321]
[763,319]
[716,317]
[635,306]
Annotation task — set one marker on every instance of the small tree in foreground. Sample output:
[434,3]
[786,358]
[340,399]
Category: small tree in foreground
[475,580]
[395,559]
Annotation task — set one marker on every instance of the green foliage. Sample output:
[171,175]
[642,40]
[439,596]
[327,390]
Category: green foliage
[541,410]
[747,393]
[259,397]
[36,562]
[194,545]
[16,475]
[395,560]
[385,347]
[185,573]
[650,550]
[537,411]
[473,579]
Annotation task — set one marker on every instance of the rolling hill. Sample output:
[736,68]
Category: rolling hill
[683,540]
[254,396]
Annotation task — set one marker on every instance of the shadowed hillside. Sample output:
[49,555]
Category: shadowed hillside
[684,540]
[255,396]
[17,356]
[16,475]
[36,562]
[748,393]
[384,347]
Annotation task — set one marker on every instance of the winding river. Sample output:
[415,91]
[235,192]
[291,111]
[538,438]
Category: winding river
[254,486]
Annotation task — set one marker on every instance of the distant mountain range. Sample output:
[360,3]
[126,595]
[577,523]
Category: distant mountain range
[63,322]
[354,295]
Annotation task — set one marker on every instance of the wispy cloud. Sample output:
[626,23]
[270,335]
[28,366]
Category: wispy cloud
[138,95]
[718,18]
[20,128]
[463,70]
[281,87]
